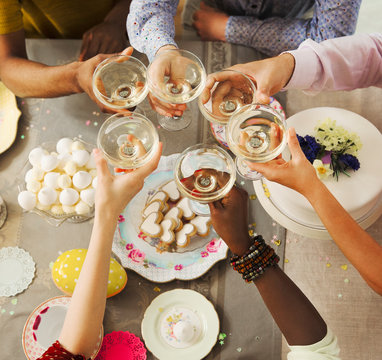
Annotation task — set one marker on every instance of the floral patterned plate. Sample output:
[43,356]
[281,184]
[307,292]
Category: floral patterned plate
[138,252]
[218,130]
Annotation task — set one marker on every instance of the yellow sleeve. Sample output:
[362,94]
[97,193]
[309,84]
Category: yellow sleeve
[11,18]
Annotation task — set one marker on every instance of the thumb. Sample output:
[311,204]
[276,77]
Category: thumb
[262,168]
[101,164]
[262,96]
[294,145]
[128,51]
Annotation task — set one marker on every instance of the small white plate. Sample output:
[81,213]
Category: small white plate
[43,327]
[17,270]
[159,312]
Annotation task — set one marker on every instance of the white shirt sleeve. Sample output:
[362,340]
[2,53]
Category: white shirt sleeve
[326,349]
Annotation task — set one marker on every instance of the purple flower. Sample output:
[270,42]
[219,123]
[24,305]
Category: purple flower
[309,146]
[350,161]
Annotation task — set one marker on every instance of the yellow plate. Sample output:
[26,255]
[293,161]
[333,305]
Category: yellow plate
[9,117]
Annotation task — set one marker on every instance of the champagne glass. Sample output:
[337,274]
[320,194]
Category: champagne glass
[119,82]
[176,77]
[225,92]
[255,133]
[128,140]
[204,174]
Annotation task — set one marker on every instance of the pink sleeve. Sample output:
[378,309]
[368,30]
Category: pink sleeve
[344,63]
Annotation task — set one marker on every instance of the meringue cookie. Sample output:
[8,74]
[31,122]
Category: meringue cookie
[63,160]
[82,179]
[64,181]
[68,209]
[49,162]
[91,164]
[51,179]
[94,182]
[88,196]
[64,145]
[77,145]
[42,207]
[27,200]
[47,196]
[70,168]
[57,210]
[69,196]
[80,157]
[93,173]
[82,208]
[34,174]
[33,186]
[36,155]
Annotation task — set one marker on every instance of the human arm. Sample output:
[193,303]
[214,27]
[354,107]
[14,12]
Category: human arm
[85,314]
[109,36]
[355,243]
[296,317]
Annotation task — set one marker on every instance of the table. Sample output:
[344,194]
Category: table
[76,115]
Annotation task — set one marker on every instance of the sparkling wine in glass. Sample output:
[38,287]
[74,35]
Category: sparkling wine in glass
[119,82]
[176,77]
[204,174]
[255,133]
[128,140]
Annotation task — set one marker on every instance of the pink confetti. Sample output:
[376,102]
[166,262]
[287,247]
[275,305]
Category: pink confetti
[43,128]
[158,126]
[48,111]
[87,122]
[23,102]
[327,258]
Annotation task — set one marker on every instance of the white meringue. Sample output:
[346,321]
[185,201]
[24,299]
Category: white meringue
[91,164]
[82,208]
[77,145]
[68,209]
[70,168]
[34,174]
[93,173]
[88,196]
[47,196]
[64,181]
[27,200]
[80,157]
[63,160]
[82,179]
[36,155]
[51,179]
[42,207]
[57,210]
[64,145]
[49,162]
[69,196]
[94,182]
[33,186]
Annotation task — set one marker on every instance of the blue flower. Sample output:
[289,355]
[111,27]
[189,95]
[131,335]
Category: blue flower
[350,161]
[309,146]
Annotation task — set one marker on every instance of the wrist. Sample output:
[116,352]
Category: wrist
[288,63]
[166,47]
[105,214]
[241,245]
[75,73]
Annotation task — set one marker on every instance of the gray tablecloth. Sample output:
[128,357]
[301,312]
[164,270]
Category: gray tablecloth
[243,316]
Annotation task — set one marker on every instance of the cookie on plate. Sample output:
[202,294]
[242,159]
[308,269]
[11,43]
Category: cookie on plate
[184,235]
[151,226]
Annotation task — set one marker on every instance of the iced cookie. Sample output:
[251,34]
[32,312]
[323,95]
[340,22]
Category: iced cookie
[151,225]
[202,224]
[171,189]
[184,205]
[159,195]
[175,214]
[155,206]
[168,226]
[184,235]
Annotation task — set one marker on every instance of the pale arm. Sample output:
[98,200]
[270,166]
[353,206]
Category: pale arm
[83,320]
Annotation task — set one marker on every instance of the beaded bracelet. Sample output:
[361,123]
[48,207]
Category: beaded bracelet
[254,262]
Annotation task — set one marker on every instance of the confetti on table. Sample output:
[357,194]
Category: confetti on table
[257,338]
[95,123]
[273,224]
[221,342]
[14,301]
[23,102]
[11,312]
[51,265]
[252,197]
[251,232]
[253,224]
[157,289]
[48,111]
[277,242]
[27,128]
[346,281]
[3,311]
[22,137]
[160,309]
[88,122]
[288,241]
[339,296]
[242,183]
[327,258]
[344,267]
[37,109]
[286,261]
[238,349]
[158,127]
[43,128]
[328,265]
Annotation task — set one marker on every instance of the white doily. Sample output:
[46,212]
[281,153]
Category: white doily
[17,270]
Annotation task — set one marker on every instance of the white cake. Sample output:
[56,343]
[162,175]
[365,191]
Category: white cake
[360,194]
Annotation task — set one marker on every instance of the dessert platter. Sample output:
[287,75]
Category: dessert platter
[180,324]
[360,193]
[44,325]
[161,256]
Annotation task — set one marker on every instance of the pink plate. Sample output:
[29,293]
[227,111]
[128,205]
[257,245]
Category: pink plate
[121,345]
